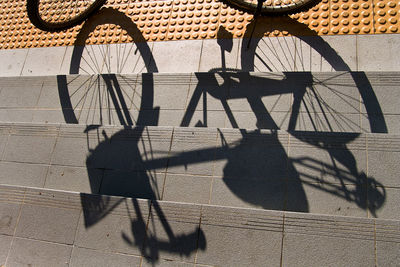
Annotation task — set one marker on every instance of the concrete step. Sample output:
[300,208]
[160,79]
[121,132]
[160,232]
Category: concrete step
[359,102]
[297,52]
[48,227]
[352,174]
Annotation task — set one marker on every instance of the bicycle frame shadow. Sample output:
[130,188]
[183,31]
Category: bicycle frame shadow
[224,85]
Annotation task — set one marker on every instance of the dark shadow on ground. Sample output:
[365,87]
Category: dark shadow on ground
[282,185]
[97,207]
[259,169]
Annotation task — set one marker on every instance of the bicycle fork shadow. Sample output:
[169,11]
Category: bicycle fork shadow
[156,230]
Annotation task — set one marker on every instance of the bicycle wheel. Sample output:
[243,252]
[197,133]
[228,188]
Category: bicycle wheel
[57,15]
[109,92]
[275,7]
[329,103]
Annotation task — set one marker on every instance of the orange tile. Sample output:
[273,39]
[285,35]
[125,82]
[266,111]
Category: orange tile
[386,16]
[351,17]
[199,19]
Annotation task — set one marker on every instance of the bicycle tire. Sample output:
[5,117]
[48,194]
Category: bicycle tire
[77,12]
[271,9]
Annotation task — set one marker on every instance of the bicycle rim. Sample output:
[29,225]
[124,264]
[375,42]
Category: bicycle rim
[275,7]
[55,15]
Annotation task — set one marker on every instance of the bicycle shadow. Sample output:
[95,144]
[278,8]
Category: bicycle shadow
[123,147]
[256,165]
[335,173]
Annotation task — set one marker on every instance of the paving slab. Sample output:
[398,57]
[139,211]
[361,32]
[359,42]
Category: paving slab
[13,115]
[21,94]
[246,239]
[383,167]
[247,89]
[161,117]
[43,61]
[5,244]
[387,243]
[186,60]
[316,250]
[12,61]
[189,189]
[378,59]
[93,59]
[74,179]
[23,174]
[43,116]
[33,252]
[9,217]
[53,198]
[383,153]
[327,199]
[48,224]
[127,59]
[3,140]
[206,91]
[327,240]
[31,148]
[49,97]
[93,258]
[310,53]
[331,93]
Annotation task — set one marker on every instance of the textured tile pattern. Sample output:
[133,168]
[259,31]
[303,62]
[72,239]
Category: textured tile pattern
[197,19]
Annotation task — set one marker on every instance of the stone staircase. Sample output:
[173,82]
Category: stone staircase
[220,167]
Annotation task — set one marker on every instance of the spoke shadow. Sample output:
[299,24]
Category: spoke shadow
[259,169]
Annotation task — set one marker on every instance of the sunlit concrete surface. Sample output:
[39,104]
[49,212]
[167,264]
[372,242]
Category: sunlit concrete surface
[187,133]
